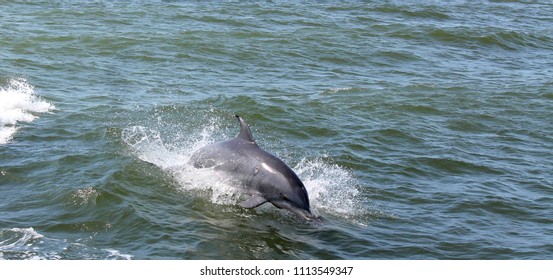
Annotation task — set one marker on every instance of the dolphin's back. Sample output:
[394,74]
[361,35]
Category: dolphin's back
[221,153]
[256,168]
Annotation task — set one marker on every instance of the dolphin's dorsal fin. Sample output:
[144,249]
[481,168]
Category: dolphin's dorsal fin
[245,133]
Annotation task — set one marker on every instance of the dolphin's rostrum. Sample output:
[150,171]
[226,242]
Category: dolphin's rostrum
[264,177]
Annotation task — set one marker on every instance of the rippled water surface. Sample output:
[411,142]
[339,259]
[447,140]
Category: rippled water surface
[421,130]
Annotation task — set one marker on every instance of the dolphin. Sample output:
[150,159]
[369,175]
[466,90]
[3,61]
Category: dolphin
[262,176]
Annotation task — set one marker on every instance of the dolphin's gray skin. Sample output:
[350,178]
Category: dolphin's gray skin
[265,177]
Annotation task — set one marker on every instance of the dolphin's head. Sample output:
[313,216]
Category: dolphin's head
[292,196]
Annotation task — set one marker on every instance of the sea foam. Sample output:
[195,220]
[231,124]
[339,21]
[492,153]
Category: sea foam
[18,104]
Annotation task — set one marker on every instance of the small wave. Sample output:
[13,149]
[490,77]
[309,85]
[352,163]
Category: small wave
[505,39]
[344,90]
[18,103]
[116,255]
[423,12]
[441,165]
[18,243]
[331,189]
[28,244]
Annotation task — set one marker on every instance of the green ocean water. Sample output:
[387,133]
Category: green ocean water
[422,130]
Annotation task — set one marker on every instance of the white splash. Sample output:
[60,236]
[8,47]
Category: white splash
[331,188]
[148,145]
[18,103]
